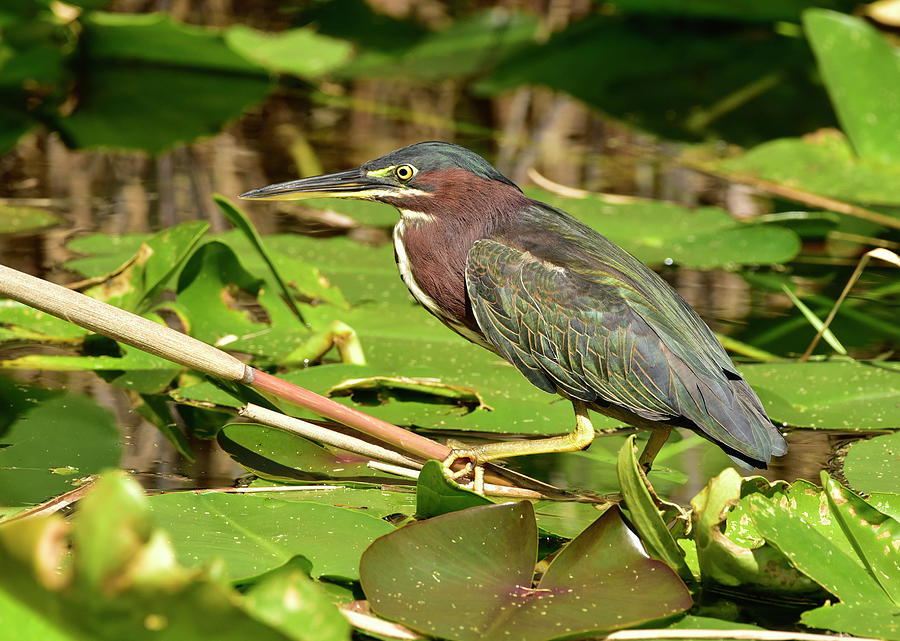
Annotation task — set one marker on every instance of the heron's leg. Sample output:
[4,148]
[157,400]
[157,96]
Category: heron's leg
[579,439]
[658,438]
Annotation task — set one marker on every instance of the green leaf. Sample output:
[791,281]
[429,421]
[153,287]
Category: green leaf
[280,456]
[253,534]
[823,163]
[482,560]
[289,601]
[874,536]
[853,395]
[15,220]
[644,515]
[873,465]
[149,83]
[435,495]
[668,234]
[815,321]
[873,620]
[378,501]
[112,525]
[804,531]
[50,431]
[301,52]
[137,286]
[861,71]
[736,555]
[465,47]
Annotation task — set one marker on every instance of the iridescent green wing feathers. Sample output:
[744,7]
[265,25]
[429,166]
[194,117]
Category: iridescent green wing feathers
[594,336]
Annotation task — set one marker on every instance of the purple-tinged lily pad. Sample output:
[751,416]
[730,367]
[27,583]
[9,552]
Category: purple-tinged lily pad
[480,563]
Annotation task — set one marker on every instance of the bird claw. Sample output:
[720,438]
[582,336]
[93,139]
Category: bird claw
[472,467]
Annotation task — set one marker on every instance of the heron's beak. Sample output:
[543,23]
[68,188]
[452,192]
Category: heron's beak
[353,183]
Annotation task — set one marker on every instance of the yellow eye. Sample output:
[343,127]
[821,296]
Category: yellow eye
[405,172]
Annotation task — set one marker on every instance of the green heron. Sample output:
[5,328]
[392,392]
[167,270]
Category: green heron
[575,314]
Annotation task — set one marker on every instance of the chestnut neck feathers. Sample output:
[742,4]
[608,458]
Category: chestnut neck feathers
[436,232]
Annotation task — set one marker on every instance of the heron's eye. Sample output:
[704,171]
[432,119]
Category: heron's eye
[405,172]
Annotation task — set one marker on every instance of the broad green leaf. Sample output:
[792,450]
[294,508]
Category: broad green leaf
[482,560]
[466,47]
[663,233]
[253,534]
[210,288]
[52,440]
[733,556]
[364,212]
[137,286]
[763,11]
[394,501]
[824,164]
[730,80]
[849,395]
[300,52]
[874,536]
[805,532]
[150,83]
[15,220]
[26,323]
[279,456]
[105,252]
[644,514]
[289,601]
[861,71]
[873,620]
[873,465]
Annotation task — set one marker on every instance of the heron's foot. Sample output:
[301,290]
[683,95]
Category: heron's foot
[473,467]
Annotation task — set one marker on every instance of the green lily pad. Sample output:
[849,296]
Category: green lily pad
[279,456]
[14,220]
[300,52]
[823,163]
[873,465]
[846,395]
[289,601]
[105,252]
[873,620]
[45,431]
[482,559]
[662,233]
[151,83]
[379,502]
[435,495]
[861,71]
[253,534]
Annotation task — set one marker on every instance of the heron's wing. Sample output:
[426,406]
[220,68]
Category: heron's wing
[591,335]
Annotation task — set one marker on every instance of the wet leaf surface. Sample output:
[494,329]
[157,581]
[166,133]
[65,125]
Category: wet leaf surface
[481,560]
[873,465]
[15,220]
[50,440]
[253,534]
[837,395]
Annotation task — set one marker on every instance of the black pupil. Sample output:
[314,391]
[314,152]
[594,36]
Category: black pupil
[404,172]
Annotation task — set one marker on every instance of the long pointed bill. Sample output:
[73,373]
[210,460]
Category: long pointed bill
[352,183]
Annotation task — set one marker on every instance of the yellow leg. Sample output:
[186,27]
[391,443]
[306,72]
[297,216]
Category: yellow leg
[658,438]
[579,439]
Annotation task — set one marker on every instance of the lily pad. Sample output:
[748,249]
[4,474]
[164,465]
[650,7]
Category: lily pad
[301,52]
[823,163]
[845,395]
[280,456]
[481,560]
[662,233]
[14,220]
[873,465]
[53,439]
[253,534]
